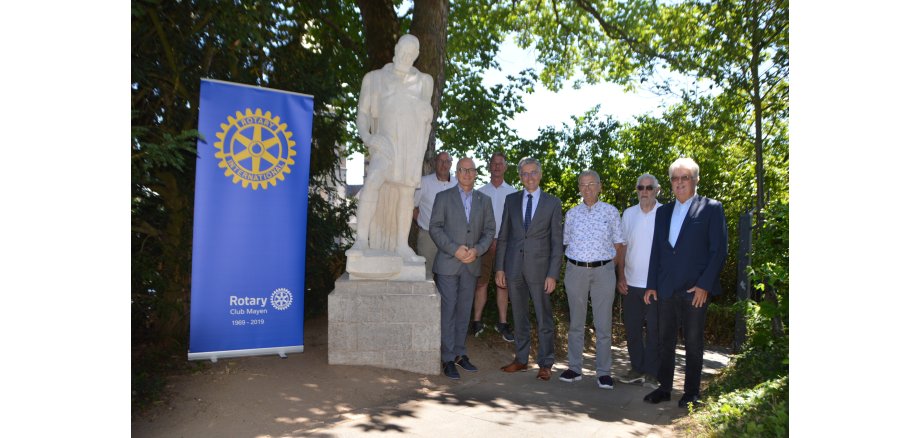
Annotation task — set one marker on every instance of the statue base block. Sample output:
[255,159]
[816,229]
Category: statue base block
[386,324]
[375,264]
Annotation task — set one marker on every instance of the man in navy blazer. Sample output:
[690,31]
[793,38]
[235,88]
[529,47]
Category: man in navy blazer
[688,251]
[528,258]
[462,227]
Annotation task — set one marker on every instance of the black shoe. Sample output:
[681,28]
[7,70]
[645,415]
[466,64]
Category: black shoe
[505,330]
[476,328]
[450,370]
[570,376]
[605,382]
[465,363]
[687,399]
[657,396]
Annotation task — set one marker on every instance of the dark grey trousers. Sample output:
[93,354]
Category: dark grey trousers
[521,293]
[456,304]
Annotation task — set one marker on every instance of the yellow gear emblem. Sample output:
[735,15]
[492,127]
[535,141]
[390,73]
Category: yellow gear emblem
[255,149]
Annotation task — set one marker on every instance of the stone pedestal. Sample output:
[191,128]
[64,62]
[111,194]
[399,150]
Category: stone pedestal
[376,264]
[387,324]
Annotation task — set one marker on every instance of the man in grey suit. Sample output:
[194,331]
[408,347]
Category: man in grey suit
[527,262]
[462,227]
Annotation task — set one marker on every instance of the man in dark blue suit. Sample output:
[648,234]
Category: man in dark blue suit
[688,252]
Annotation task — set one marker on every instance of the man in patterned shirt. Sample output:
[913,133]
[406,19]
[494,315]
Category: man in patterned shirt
[593,237]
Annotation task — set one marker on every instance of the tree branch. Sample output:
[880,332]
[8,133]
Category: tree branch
[342,36]
[617,33]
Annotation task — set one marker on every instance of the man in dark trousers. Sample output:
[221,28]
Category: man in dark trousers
[527,261]
[688,251]
[462,228]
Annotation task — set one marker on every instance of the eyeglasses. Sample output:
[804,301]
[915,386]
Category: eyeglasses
[467,170]
[641,188]
[449,160]
[590,184]
[683,178]
[533,174]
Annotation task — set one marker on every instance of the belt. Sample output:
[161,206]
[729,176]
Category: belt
[589,264]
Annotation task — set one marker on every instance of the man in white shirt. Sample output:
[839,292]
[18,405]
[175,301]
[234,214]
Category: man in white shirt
[431,185]
[592,237]
[638,230]
[497,189]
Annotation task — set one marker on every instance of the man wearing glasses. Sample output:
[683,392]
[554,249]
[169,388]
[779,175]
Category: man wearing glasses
[462,228]
[593,239]
[430,186]
[688,250]
[527,261]
[638,230]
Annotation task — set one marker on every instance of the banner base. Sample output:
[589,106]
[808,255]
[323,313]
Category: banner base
[214,355]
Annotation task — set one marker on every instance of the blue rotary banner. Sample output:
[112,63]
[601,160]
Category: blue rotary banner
[250,228]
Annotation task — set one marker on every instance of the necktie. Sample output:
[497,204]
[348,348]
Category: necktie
[527,213]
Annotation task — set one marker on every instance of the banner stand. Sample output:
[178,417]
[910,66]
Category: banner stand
[214,355]
[249,237]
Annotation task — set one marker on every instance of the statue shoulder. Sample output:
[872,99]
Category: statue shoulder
[426,78]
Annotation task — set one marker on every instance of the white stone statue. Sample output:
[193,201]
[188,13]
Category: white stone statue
[394,121]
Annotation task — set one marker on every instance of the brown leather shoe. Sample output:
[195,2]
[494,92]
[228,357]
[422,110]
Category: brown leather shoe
[544,373]
[514,367]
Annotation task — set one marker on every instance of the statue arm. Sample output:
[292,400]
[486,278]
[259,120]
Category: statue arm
[427,86]
[366,101]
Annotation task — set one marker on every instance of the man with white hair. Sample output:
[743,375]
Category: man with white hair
[638,230]
[688,251]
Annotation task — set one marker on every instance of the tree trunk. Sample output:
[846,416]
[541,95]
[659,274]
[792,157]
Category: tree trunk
[381,30]
[757,101]
[173,313]
[429,24]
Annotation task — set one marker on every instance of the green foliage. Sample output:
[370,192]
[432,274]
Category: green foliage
[751,396]
[304,47]
[762,410]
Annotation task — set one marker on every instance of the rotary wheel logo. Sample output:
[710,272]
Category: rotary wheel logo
[255,149]
[282,298]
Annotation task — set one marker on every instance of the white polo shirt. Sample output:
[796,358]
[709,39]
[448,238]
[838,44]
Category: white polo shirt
[424,196]
[638,230]
[498,200]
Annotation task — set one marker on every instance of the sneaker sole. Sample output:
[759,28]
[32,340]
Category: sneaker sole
[627,381]
[599,385]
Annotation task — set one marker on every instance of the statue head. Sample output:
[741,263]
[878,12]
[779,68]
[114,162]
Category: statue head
[406,52]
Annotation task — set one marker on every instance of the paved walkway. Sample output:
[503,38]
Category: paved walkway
[491,403]
[304,396]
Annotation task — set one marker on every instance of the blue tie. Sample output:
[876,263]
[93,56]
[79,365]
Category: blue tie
[527,214]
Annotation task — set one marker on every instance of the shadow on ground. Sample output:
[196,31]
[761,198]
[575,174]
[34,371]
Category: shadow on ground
[304,396]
